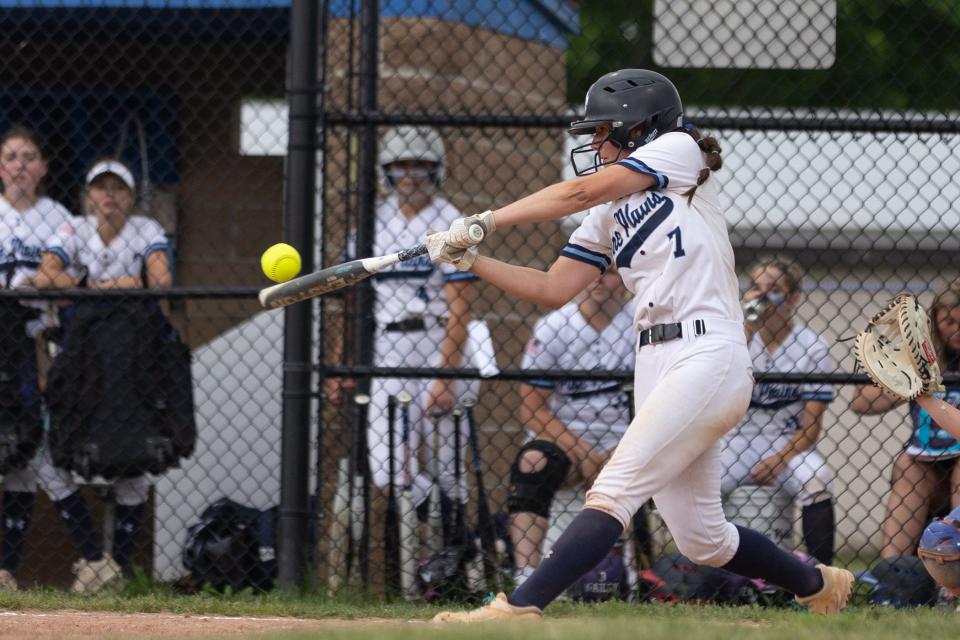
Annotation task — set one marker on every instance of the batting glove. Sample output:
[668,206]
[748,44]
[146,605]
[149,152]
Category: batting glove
[441,251]
[458,235]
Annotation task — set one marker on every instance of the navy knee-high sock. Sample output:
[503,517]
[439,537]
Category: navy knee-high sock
[17,510]
[818,530]
[76,516]
[759,557]
[128,520]
[580,548]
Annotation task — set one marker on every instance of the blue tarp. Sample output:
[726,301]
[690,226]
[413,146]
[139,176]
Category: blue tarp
[548,21]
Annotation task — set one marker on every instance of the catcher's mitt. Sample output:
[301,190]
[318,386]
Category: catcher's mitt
[897,352]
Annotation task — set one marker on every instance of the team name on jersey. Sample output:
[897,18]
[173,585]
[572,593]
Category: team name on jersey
[20,250]
[767,394]
[629,218]
[637,226]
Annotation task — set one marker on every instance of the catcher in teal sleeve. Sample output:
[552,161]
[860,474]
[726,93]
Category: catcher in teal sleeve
[913,345]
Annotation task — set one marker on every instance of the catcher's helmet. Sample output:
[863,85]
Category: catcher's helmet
[940,550]
[626,100]
[408,142]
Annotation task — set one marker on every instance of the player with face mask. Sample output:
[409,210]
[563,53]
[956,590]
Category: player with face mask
[654,211]
[775,443]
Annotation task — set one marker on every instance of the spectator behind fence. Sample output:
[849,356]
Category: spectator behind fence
[927,467]
[422,310]
[107,249]
[27,220]
[574,425]
[775,442]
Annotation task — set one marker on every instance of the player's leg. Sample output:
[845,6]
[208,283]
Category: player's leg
[95,569]
[378,443]
[131,498]
[809,480]
[19,495]
[671,429]
[537,473]
[912,485]
[462,389]
[691,507]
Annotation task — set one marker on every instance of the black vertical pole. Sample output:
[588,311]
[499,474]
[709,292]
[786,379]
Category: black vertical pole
[366,204]
[298,230]
[367,178]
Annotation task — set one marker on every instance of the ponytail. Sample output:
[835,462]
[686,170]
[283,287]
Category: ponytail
[711,148]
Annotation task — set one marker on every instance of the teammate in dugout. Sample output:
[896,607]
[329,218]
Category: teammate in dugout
[574,424]
[109,248]
[27,219]
[422,314]
[929,462]
[655,213]
[775,443]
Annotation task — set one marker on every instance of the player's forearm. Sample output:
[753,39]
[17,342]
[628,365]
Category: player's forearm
[547,288]
[124,282]
[550,203]
[945,415]
[869,400]
[811,422]
[452,346]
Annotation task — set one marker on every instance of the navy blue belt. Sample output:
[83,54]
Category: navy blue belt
[579,395]
[666,332]
[406,325]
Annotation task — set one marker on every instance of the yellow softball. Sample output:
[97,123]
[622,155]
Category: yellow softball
[280,262]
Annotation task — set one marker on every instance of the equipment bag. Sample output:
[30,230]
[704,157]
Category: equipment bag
[675,578]
[120,392]
[902,581]
[232,546]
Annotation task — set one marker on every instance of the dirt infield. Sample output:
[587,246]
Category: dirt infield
[45,625]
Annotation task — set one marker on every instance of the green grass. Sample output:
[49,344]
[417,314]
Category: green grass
[614,621]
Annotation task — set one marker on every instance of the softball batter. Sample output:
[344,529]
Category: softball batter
[776,442]
[655,213]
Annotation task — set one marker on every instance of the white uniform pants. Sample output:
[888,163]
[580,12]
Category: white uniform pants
[806,479]
[688,393]
[59,483]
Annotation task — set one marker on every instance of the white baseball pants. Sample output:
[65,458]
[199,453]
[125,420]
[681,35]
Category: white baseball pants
[688,393]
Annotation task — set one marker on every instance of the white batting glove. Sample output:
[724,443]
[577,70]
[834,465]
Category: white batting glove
[459,232]
[441,251]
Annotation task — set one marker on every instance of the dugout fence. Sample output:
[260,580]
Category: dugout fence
[252,122]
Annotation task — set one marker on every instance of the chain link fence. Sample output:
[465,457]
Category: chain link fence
[837,122]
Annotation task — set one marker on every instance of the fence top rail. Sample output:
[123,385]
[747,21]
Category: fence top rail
[879,123]
[171,293]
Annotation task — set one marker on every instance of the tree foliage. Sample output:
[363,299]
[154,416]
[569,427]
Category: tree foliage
[891,54]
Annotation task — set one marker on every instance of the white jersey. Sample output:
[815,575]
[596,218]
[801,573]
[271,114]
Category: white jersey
[674,256]
[23,236]
[84,253]
[414,288]
[564,339]
[775,407]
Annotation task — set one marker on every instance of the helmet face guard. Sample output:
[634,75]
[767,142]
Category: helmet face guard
[409,143]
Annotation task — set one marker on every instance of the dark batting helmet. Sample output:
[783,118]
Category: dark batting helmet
[940,551]
[637,105]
